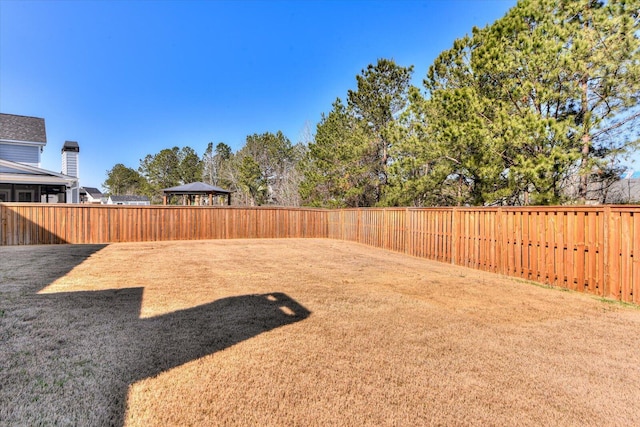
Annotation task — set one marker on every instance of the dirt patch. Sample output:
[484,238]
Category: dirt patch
[300,332]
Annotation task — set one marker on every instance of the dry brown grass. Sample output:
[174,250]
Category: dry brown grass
[300,332]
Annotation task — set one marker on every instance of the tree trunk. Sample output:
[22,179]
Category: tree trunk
[586,144]
[584,172]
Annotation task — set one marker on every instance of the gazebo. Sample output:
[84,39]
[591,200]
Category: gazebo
[194,193]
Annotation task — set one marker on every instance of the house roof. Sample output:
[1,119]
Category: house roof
[129,198]
[20,173]
[94,192]
[22,128]
[196,188]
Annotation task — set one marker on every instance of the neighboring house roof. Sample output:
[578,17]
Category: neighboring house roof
[129,198]
[22,128]
[196,188]
[93,192]
[27,174]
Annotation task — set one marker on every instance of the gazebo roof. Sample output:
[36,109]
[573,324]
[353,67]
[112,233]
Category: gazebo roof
[196,188]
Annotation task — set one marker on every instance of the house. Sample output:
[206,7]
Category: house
[22,140]
[91,195]
[128,200]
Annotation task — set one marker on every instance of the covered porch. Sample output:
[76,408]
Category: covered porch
[25,183]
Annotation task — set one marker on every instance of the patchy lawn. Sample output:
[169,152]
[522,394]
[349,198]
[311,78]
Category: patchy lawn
[300,332]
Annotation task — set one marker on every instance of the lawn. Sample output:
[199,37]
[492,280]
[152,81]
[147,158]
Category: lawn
[300,332]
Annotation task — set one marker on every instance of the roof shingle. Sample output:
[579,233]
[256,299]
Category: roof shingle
[94,192]
[22,128]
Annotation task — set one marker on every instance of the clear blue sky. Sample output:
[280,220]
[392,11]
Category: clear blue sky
[129,78]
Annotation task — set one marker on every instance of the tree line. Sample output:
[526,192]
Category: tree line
[263,171]
[540,107]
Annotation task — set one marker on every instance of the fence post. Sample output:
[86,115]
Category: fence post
[385,229]
[408,249]
[454,235]
[500,257]
[3,225]
[606,286]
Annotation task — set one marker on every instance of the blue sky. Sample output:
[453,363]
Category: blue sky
[129,78]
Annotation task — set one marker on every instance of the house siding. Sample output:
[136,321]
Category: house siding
[29,155]
[70,164]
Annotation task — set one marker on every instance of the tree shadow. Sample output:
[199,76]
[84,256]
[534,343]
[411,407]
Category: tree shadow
[69,358]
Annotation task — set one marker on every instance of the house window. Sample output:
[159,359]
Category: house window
[25,195]
[4,195]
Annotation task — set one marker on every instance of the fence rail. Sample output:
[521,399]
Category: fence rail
[588,249]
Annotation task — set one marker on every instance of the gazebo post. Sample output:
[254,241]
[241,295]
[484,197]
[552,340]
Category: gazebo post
[164,199]
[228,199]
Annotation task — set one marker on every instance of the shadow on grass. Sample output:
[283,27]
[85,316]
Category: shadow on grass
[69,358]
[29,269]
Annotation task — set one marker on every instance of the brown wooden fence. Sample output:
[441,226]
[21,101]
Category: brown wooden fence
[588,249]
[29,224]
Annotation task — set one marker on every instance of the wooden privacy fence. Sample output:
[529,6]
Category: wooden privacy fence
[588,249]
[28,224]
